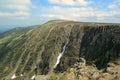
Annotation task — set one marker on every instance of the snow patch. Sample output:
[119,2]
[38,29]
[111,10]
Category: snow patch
[21,75]
[33,77]
[59,56]
[13,77]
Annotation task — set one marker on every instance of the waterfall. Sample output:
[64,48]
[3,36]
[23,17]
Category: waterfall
[59,56]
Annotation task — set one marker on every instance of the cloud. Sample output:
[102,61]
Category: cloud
[115,5]
[78,13]
[19,2]
[14,14]
[15,8]
[68,13]
[112,6]
[53,16]
[27,12]
[70,2]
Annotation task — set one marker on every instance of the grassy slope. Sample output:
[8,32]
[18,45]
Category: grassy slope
[6,39]
[13,34]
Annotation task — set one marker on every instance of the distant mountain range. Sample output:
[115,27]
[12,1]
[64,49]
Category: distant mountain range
[61,50]
[5,28]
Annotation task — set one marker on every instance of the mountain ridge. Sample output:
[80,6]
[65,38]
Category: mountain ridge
[36,51]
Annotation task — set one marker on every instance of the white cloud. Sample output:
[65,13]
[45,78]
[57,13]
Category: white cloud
[70,2]
[14,14]
[19,11]
[19,2]
[112,6]
[15,8]
[115,5]
[80,13]
[53,16]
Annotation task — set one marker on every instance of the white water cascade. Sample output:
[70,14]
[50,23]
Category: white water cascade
[59,57]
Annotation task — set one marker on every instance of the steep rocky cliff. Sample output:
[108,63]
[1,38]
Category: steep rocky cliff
[37,51]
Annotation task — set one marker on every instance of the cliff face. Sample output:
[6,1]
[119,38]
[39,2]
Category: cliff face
[97,44]
[36,52]
[101,45]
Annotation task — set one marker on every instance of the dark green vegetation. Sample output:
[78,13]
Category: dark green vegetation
[36,50]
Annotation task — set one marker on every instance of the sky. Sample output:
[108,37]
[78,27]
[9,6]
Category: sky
[16,13]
